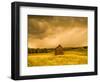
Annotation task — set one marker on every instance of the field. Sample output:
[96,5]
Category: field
[70,57]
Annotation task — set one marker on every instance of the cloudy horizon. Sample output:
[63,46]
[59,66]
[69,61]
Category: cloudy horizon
[50,31]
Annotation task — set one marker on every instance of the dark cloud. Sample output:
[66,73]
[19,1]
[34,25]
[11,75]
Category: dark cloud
[57,29]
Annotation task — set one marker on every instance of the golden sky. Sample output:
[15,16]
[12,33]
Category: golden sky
[50,31]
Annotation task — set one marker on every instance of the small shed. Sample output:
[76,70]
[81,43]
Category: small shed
[59,50]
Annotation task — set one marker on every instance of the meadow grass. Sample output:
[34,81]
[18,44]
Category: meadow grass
[70,57]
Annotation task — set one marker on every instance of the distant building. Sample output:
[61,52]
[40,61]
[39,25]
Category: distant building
[59,50]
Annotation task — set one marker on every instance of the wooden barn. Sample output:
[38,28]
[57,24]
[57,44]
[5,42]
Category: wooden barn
[59,50]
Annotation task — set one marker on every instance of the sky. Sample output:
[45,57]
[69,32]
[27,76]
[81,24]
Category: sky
[50,31]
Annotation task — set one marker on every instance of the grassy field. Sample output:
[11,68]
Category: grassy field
[70,57]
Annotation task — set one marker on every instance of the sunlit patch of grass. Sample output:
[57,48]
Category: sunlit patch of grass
[49,59]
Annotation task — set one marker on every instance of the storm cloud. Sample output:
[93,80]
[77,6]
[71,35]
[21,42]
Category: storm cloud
[50,31]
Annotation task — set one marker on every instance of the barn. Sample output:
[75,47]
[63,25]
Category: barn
[59,50]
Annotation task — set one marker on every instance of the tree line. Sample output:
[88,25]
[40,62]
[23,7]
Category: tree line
[38,50]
